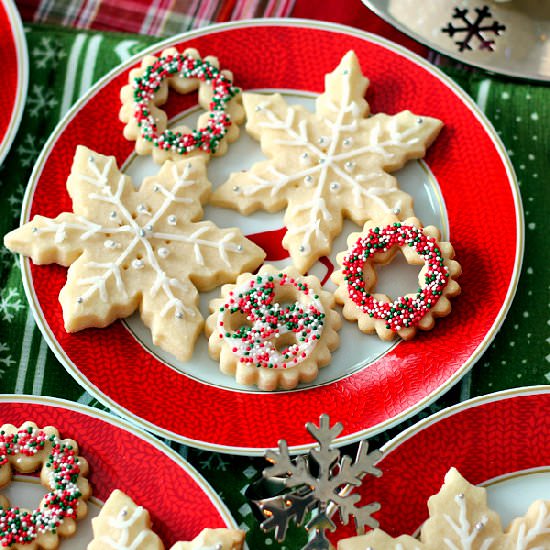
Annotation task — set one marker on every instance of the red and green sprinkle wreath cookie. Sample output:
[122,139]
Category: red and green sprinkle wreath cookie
[184,72]
[378,244]
[63,472]
[274,329]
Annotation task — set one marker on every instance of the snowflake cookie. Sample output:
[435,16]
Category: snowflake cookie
[377,244]
[131,249]
[274,329]
[461,520]
[328,165]
[62,472]
[123,525]
[184,72]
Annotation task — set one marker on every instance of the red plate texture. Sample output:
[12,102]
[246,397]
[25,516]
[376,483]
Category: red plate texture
[469,167]
[10,72]
[483,438]
[135,464]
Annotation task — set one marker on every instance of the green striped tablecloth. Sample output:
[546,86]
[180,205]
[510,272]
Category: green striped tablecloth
[65,63]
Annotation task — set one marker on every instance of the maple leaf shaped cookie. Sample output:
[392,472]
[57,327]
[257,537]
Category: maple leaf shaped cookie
[328,165]
[128,249]
[123,525]
[461,520]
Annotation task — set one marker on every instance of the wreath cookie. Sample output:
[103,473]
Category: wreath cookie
[62,472]
[122,524]
[274,329]
[378,244]
[184,72]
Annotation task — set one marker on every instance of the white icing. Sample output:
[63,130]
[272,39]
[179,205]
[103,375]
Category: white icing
[143,234]
[540,528]
[124,526]
[337,159]
[466,532]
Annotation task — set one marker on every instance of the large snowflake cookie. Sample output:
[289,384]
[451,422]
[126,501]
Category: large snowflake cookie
[123,525]
[128,249]
[62,472]
[148,88]
[377,244]
[328,165]
[461,520]
[274,329]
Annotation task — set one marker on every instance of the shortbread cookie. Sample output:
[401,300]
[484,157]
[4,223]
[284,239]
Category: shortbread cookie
[62,472]
[274,329]
[131,249]
[378,244]
[460,518]
[326,166]
[148,89]
[122,524]
[214,539]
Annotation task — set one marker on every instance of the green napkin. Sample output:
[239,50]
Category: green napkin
[65,63]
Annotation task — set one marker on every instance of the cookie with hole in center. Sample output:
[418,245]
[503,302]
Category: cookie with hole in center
[377,244]
[274,329]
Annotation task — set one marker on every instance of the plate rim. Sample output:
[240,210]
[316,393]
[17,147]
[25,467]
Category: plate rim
[295,23]
[377,10]
[447,412]
[22,60]
[122,423]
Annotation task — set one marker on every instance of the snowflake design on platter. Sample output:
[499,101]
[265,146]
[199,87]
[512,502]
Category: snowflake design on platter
[5,358]
[10,303]
[461,520]
[327,165]
[322,488]
[47,53]
[28,149]
[15,200]
[40,101]
[474,28]
[128,249]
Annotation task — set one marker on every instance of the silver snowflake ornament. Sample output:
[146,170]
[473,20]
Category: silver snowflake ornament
[320,485]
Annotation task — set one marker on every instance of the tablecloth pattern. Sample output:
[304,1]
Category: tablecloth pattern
[64,63]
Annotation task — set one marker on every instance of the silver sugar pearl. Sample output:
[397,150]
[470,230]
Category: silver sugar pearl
[304,156]
[419,120]
[480,525]
[179,315]
[163,252]
[141,233]
[347,142]
[149,227]
[156,188]
[323,140]
[302,248]
[240,248]
[460,496]
[322,160]
[258,108]
[345,71]
[334,186]
[79,300]
[349,165]
[113,215]
[236,188]
[91,159]
[35,229]
[397,210]
[124,512]
[308,180]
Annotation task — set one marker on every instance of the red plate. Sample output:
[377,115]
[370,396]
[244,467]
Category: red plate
[469,164]
[492,440]
[125,458]
[15,73]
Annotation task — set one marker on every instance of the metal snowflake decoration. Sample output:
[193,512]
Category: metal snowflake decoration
[474,28]
[320,485]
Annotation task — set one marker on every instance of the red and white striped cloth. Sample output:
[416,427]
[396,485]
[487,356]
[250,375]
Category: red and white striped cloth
[169,17]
